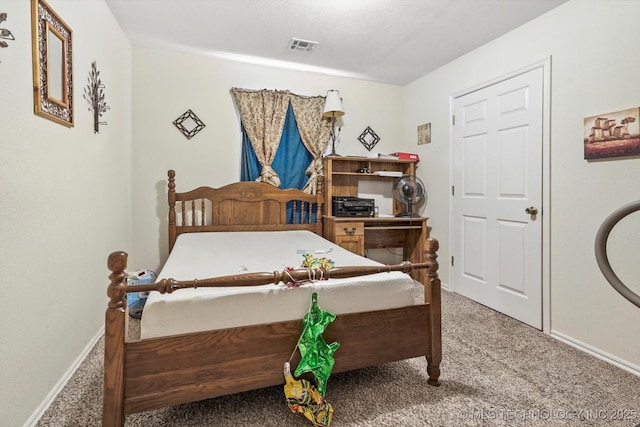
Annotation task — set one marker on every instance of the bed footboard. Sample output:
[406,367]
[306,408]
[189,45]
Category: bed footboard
[158,372]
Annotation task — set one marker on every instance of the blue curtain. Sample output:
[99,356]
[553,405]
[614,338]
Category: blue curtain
[290,162]
[250,167]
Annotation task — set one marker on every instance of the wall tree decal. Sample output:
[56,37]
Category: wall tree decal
[94,94]
[4,33]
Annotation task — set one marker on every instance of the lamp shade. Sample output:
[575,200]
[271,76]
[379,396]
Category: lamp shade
[333,104]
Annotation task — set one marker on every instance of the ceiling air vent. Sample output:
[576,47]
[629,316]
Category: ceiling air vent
[302,45]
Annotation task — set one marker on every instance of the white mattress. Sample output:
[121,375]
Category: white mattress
[202,255]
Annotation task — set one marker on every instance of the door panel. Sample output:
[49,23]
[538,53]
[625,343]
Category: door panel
[511,252]
[497,174]
[475,262]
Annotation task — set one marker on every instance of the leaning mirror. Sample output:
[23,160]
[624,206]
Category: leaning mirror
[52,64]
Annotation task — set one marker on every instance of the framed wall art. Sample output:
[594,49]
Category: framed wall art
[424,134]
[52,64]
[189,124]
[369,138]
[612,134]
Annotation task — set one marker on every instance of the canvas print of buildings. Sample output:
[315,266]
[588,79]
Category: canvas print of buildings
[612,134]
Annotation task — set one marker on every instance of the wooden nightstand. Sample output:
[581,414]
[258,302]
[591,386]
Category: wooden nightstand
[346,233]
[356,234]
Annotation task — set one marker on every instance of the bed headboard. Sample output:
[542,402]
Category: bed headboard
[242,206]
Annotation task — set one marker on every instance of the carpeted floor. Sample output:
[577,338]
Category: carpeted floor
[495,371]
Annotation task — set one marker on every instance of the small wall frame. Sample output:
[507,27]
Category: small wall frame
[189,124]
[424,134]
[52,64]
[369,138]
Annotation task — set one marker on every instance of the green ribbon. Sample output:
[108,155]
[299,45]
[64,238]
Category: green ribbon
[317,355]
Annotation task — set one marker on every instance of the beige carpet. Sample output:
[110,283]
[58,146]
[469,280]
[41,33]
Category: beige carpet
[495,371]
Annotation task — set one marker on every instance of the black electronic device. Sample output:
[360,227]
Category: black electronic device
[353,206]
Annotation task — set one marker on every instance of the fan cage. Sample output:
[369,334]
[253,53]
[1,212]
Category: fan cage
[410,192]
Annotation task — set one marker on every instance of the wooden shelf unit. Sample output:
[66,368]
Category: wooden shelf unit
[359,233]
[341,176]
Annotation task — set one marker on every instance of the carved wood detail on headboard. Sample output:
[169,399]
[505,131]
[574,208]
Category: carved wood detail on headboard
[242,206]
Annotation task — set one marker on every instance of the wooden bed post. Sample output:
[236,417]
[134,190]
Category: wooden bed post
[319,206]
[114,335]
[435,312]
[172,208]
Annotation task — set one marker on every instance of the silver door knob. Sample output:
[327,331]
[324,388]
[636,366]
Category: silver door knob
[531,210]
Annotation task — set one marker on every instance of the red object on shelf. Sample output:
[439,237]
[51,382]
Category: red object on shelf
[406,156]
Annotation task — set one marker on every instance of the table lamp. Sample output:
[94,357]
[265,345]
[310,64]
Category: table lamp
[333,110]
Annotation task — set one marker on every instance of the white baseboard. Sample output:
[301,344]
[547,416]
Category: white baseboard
[596,352]
[37,414]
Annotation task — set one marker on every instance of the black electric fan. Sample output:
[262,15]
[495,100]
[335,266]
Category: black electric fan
[410,191]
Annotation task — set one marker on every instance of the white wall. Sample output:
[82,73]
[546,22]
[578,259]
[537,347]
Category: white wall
[593,45]
[166,84]
[64,205]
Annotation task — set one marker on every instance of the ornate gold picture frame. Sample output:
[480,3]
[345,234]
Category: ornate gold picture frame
[52,64]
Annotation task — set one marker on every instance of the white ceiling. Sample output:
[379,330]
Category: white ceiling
[387,41]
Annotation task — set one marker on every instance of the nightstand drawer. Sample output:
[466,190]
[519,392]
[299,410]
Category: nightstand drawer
[349,229]
[350,235]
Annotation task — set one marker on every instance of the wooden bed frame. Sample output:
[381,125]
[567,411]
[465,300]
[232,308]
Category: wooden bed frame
[158,372]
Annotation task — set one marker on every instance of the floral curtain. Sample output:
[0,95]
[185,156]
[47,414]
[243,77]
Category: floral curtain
[263,113]
[314,132]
